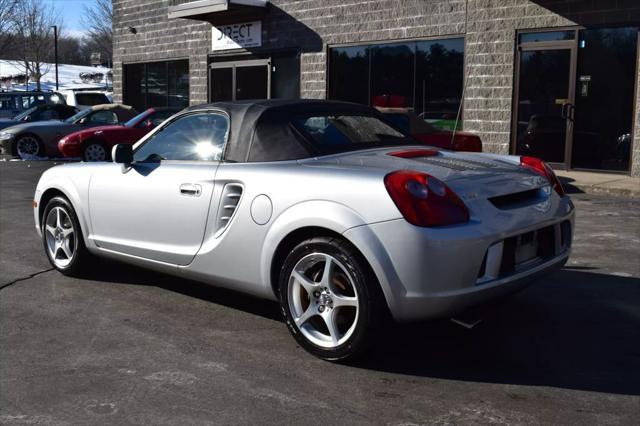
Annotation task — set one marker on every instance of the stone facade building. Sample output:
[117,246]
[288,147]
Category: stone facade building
[553,78]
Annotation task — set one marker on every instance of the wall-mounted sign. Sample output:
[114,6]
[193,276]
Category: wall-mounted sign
[237,36]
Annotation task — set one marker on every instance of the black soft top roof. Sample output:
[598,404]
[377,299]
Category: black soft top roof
[260,129]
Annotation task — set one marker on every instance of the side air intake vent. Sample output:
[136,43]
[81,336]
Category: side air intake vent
[231,195]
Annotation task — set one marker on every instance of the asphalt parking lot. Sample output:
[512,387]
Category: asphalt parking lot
[126,346]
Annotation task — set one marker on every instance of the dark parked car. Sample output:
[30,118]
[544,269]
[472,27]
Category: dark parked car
[95,144]
[41,139]
[40,113]
[424,132]
[13,103]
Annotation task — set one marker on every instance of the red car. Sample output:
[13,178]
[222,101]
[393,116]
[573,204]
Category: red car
[426,133]
[95,143]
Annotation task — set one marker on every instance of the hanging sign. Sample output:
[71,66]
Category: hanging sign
[237,36]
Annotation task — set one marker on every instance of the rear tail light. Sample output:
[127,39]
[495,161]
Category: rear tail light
[424,200]
[542,168]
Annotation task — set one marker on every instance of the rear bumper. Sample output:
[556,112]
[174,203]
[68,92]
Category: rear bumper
[436,272]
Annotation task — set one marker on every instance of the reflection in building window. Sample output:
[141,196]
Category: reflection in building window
[425,76]
[157,84]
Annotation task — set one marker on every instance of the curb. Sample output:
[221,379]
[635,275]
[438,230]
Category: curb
[576,188]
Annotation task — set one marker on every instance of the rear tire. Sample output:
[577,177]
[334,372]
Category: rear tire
[62,238]
[333,312]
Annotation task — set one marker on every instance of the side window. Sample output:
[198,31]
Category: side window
[46,114]
[156,119]
[193,137]
[160,116]
[107,117]
[66,112]
[8,103]
[29,101]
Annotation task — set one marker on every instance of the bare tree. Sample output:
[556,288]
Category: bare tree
[98,20]
[7,23]
[34,30]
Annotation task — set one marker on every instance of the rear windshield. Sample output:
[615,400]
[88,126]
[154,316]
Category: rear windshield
[91,99]
[331,134]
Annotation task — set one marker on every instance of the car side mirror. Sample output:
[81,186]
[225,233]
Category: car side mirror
[83,120]
[27,118]
[122,154]
[148,124]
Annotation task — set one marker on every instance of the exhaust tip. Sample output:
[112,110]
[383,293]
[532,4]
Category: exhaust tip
[467,323]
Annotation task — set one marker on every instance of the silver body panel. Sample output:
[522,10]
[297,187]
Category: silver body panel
[141,216]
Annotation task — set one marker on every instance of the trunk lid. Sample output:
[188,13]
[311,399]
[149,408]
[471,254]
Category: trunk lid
[470,175]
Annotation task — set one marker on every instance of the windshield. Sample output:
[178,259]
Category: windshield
[23,114]
[77,116]
[135,119]
[331,134]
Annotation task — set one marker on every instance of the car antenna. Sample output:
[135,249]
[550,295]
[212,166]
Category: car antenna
[455,126]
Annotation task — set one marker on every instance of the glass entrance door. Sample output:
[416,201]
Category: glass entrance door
[545,99]
[240,80]
[575,91]
[606,79]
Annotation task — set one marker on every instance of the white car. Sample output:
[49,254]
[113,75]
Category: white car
[85,99]
[322,206]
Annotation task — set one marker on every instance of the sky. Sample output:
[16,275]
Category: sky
[72,12]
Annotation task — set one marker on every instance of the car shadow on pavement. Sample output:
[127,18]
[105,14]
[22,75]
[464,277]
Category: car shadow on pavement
[576,329]
[121,273]
[569,187]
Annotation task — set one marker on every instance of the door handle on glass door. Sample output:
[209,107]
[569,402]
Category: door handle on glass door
[191,189]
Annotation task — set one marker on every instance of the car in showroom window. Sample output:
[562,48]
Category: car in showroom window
[322,206]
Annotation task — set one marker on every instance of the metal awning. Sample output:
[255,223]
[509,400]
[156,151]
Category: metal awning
[216,10]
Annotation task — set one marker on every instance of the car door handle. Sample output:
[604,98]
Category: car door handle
[191,189]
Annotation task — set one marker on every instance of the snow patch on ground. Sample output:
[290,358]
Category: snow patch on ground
[68,76]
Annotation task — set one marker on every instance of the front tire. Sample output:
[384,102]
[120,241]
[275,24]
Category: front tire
[330,300]
[62,238]
[94,151]
[28,147]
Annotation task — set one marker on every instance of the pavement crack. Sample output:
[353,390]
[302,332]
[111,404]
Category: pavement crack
[35,274]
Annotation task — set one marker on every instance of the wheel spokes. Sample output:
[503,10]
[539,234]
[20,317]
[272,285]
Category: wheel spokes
[329,318]
[51,230]
[340,301]
[327,271]
[310,312]
[66,249]
[305,282]
[66,232]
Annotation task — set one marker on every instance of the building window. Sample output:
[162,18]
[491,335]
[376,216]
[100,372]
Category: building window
[425,76]
[157,84]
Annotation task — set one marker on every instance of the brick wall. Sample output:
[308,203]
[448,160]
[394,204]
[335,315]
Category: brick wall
[158,38]
[310,25]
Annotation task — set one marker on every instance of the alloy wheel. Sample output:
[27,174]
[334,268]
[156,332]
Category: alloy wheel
[95,152]
[323,300]
[27,146]
[60,237]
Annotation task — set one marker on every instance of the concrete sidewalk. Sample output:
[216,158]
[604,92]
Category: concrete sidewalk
[601,183]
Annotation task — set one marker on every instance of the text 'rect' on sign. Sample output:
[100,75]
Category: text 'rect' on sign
[237,36]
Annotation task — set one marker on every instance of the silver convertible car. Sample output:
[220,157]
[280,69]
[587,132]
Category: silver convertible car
[322,206]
